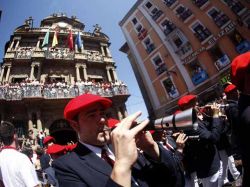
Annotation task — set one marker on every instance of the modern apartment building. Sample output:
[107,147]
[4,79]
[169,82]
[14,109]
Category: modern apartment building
[178,47]
[44,67]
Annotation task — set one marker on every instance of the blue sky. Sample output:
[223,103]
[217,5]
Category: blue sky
[107,13]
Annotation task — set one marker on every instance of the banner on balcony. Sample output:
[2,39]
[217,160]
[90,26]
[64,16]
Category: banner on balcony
[55,41]
[46,39]
[78,41]
[70,40]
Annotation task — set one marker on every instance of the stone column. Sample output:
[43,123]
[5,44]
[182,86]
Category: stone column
[76,48]
[17,44]
[39,72]
[12,43]
[32,72]
[82,48]
[38,122]
[85,73]
[108,52]
[30,123]
[8,74]
[108,73]
[103,52]
[114,74]
[38,44]
[2,73]
[77,73]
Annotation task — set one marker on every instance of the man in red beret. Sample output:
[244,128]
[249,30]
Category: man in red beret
[92,163]
[240,75]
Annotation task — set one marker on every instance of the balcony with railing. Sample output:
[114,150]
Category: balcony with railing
[157,14]
[184,13]
[203,34]
[199,77]
[24,53]
[150,47]
[59,53]
[51,91]
[168,27]
[142,34]
[200,3]
[222,62]
[243,47]
[169,3]
[161,68]
[221,19]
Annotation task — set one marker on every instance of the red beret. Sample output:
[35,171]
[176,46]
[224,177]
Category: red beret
[239,67]
[55,149]
[230,88]
[186,100]
[48,139]
[83,101]
[71,147]
[112,122]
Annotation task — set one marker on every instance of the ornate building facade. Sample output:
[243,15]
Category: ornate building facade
[43,68]
[178,47]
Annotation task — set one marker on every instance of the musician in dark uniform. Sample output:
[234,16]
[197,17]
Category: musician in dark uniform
[94,164]
[240,74]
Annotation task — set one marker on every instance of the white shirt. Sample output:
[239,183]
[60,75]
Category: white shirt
[16,169]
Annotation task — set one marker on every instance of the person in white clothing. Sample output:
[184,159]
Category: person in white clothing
[16,168]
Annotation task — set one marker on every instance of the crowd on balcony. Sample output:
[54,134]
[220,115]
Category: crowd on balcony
[59,89]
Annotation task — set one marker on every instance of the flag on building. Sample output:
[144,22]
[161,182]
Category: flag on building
[46,39]
[55,41]
[70,40]
[78,41]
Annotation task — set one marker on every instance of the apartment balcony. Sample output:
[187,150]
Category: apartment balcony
[199,77]
[59,53]
[169,28]
[150,48]
[24,53]
[222,62]
[157,15]
[200,3]
[162,68]
[142,34]
[243,47]
[221,19]
[50,91]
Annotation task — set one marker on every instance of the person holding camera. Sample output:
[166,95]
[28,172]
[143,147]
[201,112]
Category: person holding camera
[94,164]
[201,159]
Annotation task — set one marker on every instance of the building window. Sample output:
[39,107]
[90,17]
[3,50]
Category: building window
[149,45]
[167,26]
[200,3]
[154,12]
[134,21]
[177,39]
[200,31]
[220,59]
[169,3]
[159,65]
[241,44]
[148,5]
[183,12]
[138,28]
[219,18]
[235,5]
[198,74]
[170,88]
[185,50]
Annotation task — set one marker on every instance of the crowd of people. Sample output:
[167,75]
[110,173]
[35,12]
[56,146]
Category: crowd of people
[124,153]
[58,89]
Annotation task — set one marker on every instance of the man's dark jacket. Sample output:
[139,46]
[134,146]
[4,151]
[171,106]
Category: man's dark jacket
[83,168]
